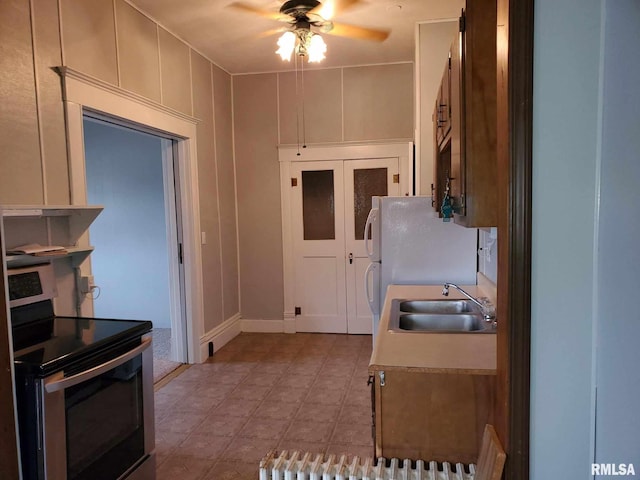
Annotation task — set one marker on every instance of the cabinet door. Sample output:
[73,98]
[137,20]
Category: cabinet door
[442,111]
[432,416]
[477,200]
[457,126]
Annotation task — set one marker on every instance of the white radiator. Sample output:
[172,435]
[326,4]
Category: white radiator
[308,466]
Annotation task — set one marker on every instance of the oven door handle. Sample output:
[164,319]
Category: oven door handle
[54,385]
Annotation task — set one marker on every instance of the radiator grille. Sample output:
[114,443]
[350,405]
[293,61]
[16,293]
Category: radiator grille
[308,466]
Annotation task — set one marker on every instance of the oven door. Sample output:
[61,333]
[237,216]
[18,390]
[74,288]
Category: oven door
[99,423]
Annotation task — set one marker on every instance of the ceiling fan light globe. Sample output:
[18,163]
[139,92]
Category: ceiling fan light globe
[317,49]
[286,44]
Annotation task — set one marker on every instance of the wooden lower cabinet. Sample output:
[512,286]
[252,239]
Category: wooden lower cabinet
[431,416]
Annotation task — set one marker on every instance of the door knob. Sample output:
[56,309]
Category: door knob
[350,258]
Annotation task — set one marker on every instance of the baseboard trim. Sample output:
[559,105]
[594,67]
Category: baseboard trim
[220,336]
[262,326]
[289,322]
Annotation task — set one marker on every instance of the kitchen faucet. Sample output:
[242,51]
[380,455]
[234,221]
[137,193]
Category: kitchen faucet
[487,309]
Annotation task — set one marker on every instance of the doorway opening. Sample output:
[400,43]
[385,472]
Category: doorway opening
[136,264]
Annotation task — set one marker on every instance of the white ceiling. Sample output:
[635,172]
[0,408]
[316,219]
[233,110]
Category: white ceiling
[232,40]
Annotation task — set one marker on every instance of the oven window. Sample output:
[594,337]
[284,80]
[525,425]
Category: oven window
[105,431]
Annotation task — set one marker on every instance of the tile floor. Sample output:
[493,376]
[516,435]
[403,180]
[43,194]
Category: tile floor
[307,392]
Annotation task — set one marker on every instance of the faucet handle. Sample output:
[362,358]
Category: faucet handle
[488,308]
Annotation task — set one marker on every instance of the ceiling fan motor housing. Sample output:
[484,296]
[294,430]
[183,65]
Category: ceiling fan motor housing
[298,8]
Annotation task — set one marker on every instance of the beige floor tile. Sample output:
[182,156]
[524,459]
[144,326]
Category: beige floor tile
[332,382]
[197,403]
[306,431]
[270,368]
[288,395]
[225,355]
[352,434]
[221,425]
[202,445]
[175,390]
[250,450]
[357,414]
[237,407]
[275,409]
[325,396]
[265,428]
[213,389]
[303,367]
[251,356]
[167,442]
[313,412]
[183,468]
[180,422]
[225,470]
[261,379]
[250,392]
[232,378]
[295,381]
[337,370]
[351,451]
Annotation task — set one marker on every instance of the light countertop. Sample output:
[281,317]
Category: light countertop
[464,353]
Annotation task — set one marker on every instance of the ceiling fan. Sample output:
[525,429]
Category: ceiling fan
[308,18]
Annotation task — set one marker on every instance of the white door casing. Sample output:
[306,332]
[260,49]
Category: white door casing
[82,93]
[355,316]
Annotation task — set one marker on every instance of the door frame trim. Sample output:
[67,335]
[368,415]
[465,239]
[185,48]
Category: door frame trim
[288,155]
[81,93]
[515,158]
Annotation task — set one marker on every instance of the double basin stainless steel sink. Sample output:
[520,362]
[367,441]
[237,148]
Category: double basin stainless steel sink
[438,316]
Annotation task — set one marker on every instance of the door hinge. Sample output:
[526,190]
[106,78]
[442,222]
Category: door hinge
[180,258]
[461,22]
[294,182]
[298,311]
[381,375]
[396,178]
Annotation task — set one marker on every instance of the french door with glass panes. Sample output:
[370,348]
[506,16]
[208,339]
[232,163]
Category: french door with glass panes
[329,207]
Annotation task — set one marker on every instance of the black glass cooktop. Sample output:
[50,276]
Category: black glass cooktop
[47,345]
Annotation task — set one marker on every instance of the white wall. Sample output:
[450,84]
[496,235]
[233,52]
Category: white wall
[618,279]
[130,263]
[488,253]
[565,148]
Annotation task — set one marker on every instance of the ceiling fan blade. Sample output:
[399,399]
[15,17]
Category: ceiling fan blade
[273,31]
[245,7]
[364,33]
[331,8]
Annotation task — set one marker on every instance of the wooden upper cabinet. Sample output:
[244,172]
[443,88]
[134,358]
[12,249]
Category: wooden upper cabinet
[442,110]
[474,182]
[466,148]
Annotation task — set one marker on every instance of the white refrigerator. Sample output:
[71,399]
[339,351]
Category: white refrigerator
[410,244]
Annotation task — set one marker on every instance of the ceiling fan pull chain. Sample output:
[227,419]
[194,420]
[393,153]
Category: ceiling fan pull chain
[295,63]
[304,129]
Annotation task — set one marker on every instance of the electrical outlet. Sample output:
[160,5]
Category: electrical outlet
[87,284]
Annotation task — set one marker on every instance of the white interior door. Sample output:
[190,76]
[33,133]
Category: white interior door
[317,207]
[362,180]
[330,204]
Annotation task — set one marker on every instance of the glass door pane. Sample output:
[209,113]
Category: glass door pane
[367,182]
[318,205]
